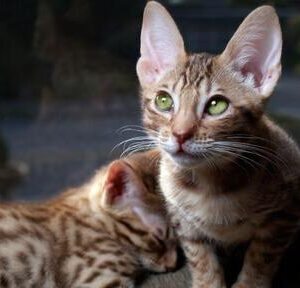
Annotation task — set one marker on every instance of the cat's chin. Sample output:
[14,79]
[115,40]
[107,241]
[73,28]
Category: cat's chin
[187,160]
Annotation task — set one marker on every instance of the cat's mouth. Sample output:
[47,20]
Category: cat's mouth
[185,158]
[188,153]
[192,151]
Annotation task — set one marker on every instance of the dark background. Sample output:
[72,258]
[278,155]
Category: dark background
[68,81]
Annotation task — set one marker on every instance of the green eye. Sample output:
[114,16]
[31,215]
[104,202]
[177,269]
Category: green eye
[164,101]
[217,106]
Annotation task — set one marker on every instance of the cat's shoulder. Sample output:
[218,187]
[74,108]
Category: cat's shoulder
[286,149]
[281,139]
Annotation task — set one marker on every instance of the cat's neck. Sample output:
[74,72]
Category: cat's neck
[87,202]
[224,176]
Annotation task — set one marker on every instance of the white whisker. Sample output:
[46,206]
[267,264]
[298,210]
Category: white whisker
[263,152]
[138,147]
[133,139]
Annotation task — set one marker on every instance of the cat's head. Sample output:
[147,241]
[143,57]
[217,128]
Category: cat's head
[131,197]
[195,104]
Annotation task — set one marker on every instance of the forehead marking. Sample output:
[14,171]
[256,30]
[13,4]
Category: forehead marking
[208,86]
[180,83]
[196,75]
[199,80]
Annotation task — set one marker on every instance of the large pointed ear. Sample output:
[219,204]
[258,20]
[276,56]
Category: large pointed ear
[124,189]
[254,51]
[162,46]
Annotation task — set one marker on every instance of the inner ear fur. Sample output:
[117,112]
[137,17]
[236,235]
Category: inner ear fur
[254,51]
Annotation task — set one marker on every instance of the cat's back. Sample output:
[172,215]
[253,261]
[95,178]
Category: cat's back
[286,176]
[23,220]
[25,247]
[286,148]
[41,244]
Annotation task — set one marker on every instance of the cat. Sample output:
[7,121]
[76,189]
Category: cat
[98,235]
[229,174]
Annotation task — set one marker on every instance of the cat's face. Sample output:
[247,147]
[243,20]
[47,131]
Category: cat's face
[195,106]
[131,198]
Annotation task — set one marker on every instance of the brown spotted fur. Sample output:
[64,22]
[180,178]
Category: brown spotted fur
[76,240]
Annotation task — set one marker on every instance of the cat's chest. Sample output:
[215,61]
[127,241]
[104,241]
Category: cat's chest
[220,224]
[199,212]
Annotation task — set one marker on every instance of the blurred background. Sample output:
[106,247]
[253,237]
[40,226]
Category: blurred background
[68,81]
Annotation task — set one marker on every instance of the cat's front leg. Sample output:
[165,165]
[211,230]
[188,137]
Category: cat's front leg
[265,251]
[260,265]
[204,266]
[258,268]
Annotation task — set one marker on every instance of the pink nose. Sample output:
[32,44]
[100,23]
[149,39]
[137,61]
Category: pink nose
[184,135]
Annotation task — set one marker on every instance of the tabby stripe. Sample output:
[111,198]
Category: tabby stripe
[36,219]
[184,78]
[199,80]
[67,208]
[92,277]
[90,260]
[133,229]
[15,215]
[126,273]
[208,86]
[7,236]
[84,224]
[110,265]
[4,282]
[31,249]
[99,240]
[126,238]
[103,251]
[65,245]
[4,263]
[208,68]
[113,284]
[78,238]
[77,273]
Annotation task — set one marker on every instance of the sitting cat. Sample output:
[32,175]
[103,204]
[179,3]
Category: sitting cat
[228,173]
[98,235]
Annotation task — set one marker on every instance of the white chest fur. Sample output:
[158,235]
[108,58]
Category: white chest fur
[200,212]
